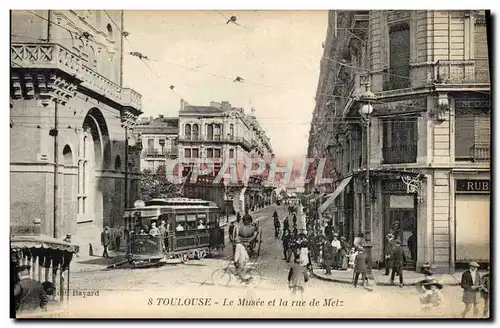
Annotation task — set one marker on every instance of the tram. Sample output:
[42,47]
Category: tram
[192,230]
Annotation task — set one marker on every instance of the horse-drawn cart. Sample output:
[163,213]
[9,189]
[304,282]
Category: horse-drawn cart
[251,236]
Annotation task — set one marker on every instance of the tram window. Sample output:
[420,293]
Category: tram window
[202,221]
[191,222]
[180,222]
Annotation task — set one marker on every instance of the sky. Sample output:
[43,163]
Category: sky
[277,53]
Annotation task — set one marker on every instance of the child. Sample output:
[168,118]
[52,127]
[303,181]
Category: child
[432,297]
[352,257]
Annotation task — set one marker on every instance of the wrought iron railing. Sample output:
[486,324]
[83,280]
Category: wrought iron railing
[399,154]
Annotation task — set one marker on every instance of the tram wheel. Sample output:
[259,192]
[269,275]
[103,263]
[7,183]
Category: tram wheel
[184,258]
[221,277]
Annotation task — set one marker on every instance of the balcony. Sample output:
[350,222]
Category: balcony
[480,152]
[56,57]
[399,154]
[396,78]
[171,153]
[463,71]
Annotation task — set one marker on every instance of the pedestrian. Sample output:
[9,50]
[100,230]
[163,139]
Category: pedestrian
[286,245]
[50,291]
[485,291]
[118,237]
[277,226]
[370,280]
[238,217]
[398,262]
[359,240]
[105,240]
[29,293]
[247,218]
[388,253]
[432,297]
[328,257]
[294,220]
[412,246]
[360,266]
[471,285]
[164,235]
[352,257]
[231,233]
[286,224]
[344,249]
[296,274]
[336,251]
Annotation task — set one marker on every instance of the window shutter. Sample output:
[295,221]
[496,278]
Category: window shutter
[464,136]
[482,130]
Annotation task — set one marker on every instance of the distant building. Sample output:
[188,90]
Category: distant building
[73,162]
[221,132]
[159,138]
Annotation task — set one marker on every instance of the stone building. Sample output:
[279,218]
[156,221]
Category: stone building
[221,132]
[72,162]
[429,151]
[159,137]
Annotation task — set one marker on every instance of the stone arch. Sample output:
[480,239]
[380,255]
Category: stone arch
[95,122]
[67,156]
[118,162]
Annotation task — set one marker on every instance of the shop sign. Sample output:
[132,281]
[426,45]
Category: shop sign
[393,186]
[473,186]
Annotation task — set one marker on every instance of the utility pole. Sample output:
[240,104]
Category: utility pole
[126,164]
[54,132]
[366,111]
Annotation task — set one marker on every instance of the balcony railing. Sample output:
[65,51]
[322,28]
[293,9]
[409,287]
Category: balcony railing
[463,71]
[217,139]
[54,56]
[399,154]
[480,152]
[151,152]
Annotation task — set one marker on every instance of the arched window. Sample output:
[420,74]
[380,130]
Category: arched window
[110,31]
[118,162]
[187,131]
[68,156]
[83,174]
[196,132]
[210,132]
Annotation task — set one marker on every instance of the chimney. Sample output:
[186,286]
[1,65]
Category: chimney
[183,104]
[226,105]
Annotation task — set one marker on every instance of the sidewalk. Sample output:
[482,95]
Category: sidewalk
[410,277]
[85,263]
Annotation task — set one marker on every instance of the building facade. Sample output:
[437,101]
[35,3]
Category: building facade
[429,132]
[221,132]
[73,162]
[159,138]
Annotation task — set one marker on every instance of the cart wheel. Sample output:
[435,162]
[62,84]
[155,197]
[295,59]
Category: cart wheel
[221,277]
[260,242]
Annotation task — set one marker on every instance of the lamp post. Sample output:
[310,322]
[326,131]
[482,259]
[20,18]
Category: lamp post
[366,111]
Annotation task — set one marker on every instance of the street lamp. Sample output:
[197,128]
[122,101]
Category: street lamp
[366,111]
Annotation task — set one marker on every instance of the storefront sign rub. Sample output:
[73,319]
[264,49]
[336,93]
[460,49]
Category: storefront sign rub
[473,186]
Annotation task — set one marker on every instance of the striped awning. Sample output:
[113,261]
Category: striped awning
[331,198]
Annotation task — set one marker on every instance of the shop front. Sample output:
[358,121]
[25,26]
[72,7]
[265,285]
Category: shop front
[399,215]
[472,221]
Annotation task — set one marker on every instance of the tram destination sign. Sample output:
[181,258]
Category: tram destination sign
[473,186]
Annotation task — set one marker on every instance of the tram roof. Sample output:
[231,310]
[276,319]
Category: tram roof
[177,202]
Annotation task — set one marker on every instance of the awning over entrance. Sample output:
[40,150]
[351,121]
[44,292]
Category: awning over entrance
[335,194]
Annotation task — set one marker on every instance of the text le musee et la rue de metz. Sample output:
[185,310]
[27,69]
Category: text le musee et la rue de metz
[243,302]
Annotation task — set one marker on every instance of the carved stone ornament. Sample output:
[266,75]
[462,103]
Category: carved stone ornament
[394,16]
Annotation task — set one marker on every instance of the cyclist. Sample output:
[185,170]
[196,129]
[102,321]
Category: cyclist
[240,258]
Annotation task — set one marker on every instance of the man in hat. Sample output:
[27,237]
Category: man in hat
[336,252]
[28,292]
[471,285]
[388,253]
[360,266]
[277,225]
[398,262]
[105,240]
[68,238]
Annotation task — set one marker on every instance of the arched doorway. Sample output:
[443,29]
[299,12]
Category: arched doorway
[94,154]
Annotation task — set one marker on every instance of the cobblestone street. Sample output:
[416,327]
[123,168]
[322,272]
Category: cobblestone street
[137,287]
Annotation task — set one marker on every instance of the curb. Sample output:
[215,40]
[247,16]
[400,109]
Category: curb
[378,283]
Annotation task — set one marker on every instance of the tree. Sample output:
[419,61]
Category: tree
[155,184]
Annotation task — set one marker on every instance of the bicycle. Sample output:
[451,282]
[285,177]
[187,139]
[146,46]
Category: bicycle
[223,276]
